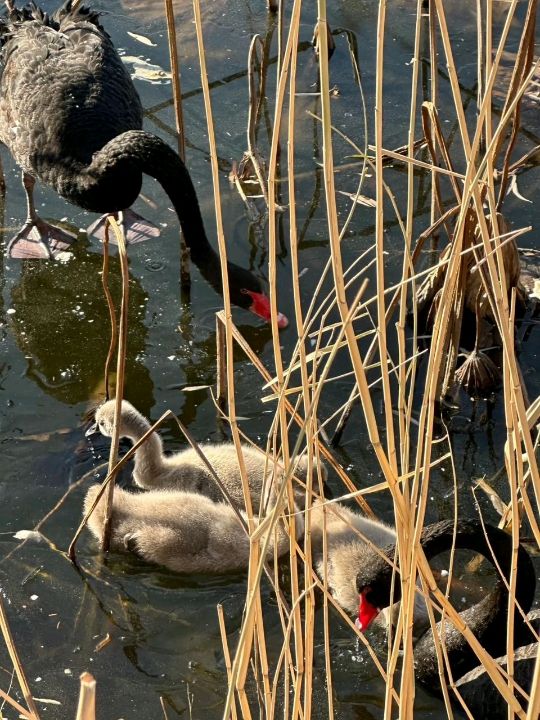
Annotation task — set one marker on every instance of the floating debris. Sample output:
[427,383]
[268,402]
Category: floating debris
[142,39]
[103,643]
[37,537]
[144,70]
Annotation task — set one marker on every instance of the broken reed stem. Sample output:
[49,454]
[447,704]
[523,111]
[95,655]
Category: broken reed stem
[185,276]
[252,112]
[120,371]
[86,709]
[17,664]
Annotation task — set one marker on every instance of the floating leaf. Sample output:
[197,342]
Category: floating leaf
[499,505]
[141,38]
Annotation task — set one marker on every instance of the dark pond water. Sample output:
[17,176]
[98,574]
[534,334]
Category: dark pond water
[54,335]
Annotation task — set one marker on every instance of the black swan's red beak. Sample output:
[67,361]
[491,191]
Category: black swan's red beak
[366,612]
[261,307]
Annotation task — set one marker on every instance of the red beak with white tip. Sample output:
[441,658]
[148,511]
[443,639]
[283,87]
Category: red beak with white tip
[366,612]
[261,307]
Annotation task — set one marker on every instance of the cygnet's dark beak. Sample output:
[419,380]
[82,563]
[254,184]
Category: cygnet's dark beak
[261,307]
[92,429]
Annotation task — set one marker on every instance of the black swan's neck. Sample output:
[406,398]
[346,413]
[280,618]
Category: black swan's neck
[112,182]
[487,618]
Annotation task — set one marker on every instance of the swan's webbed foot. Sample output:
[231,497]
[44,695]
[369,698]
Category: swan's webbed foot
[39,240]
[136,228]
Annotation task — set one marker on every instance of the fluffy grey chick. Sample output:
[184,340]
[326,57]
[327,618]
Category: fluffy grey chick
[184,531]
[185,470]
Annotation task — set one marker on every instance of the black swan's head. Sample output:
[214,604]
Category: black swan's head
[374,578]
[374,586]
[247,292]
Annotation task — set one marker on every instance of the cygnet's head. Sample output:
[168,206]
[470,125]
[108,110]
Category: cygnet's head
[105,416]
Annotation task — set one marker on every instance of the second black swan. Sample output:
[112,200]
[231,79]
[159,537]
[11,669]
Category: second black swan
[487,618]
[71,118]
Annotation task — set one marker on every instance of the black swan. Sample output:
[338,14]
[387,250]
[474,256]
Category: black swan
[486,619]
[185,470]
[184,531]
[71,117]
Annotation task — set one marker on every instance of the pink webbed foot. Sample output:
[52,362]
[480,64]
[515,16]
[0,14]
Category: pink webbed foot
[39,240]
[136,228]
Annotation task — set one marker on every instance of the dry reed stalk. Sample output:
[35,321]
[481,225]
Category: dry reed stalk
[409,486]
[511,343]
[226,654]
[322,449]
[301,649]
[37,527]
[33,713]
[534,701]
[112,312]
[15,705]
[86,709]
[255,622]
[246,626]
[120,371]
[303,657]
[221,365]
[252,153]
[407,376]
[185,277]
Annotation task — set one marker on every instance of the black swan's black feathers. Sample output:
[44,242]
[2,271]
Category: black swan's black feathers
[486,619]
[33,13]
[71,117]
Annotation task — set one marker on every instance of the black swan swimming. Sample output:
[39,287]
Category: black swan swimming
[487,619]
[71,117]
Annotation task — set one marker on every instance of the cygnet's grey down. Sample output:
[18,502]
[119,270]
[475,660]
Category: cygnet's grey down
[185,470]
[346,550]
[184,531]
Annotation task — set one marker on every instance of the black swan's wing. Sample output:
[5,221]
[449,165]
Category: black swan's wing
[64,92]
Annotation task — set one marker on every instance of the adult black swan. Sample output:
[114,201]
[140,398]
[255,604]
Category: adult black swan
[487,619]
[71,117]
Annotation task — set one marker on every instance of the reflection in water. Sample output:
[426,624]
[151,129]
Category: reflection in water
[197,356]
[62,327]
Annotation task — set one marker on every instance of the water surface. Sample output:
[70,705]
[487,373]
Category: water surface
[54,335]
